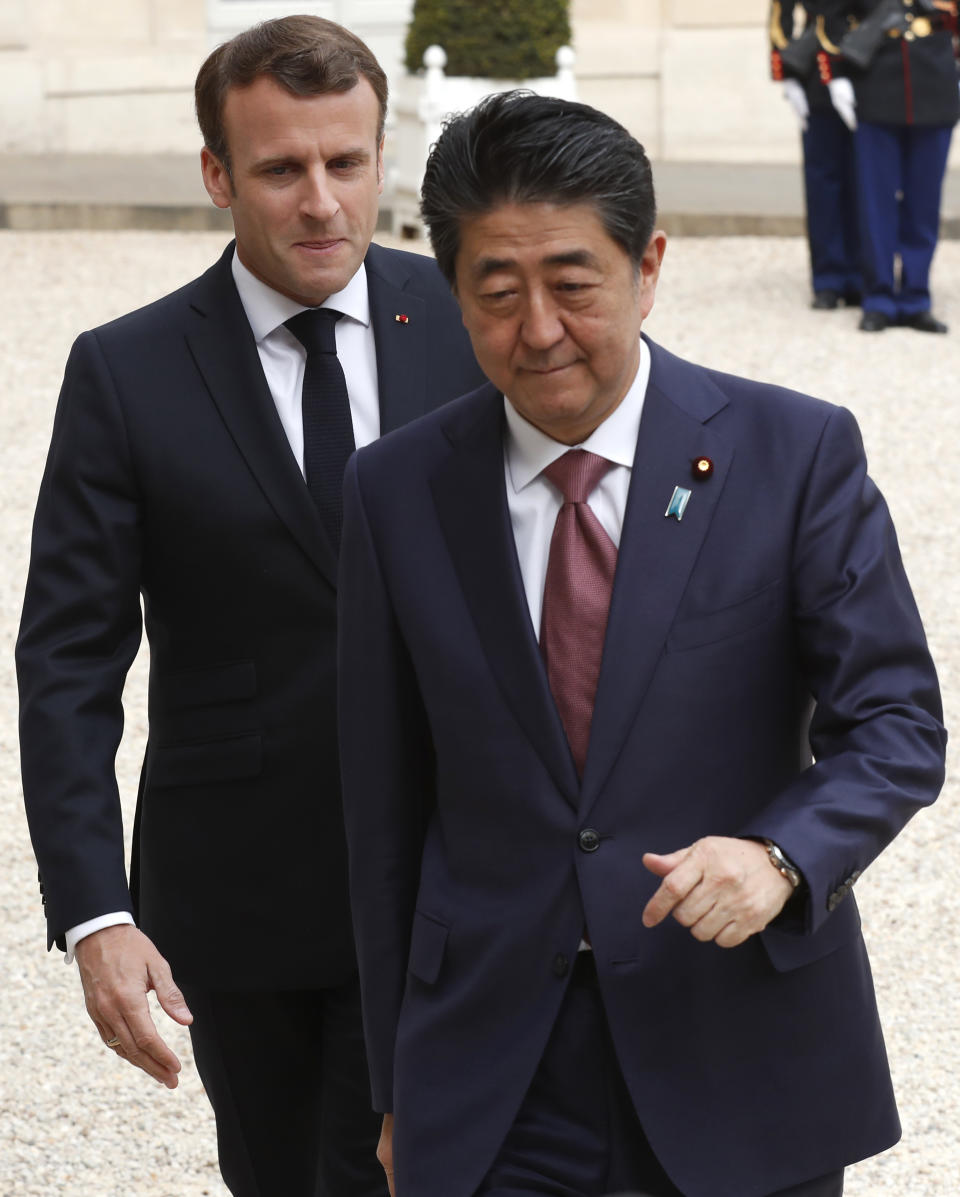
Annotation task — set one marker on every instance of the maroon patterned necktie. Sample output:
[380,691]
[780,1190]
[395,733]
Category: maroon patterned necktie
[576,596]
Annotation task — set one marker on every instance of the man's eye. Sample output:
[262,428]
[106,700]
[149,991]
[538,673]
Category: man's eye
[278,170]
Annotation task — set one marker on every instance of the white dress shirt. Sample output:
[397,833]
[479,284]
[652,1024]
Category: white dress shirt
[283,359]
[535,503]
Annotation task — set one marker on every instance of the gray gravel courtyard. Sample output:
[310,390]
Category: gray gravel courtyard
[75,1121]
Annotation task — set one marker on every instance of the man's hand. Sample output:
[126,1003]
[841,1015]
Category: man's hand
[118,967]
[385,1151]
[724,890]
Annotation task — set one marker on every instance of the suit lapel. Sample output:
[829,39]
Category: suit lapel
[401,344]
[225,352]
[470,496]
[656,554]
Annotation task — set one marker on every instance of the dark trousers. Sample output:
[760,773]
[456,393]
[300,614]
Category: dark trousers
[900,176]
[286,1073]
[830,186]
[577,1133]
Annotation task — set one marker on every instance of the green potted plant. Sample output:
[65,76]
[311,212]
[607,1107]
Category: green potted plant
[492,39]
[458,51]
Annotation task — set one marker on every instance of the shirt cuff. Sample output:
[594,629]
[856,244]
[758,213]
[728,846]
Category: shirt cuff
[81,930]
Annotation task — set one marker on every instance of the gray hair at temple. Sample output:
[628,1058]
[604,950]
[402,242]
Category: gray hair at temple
[517,147]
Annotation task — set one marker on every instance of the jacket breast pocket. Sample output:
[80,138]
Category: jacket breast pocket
[207,762]
[726,622]
[428,943]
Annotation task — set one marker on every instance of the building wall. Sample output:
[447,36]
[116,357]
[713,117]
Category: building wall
[689,77]
[99,75]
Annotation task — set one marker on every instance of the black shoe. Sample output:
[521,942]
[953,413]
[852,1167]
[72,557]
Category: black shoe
[923,322]
[873,322]
[825,301]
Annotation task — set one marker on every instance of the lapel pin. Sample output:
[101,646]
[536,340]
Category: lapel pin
[401,319]
[702,467]
[678,503]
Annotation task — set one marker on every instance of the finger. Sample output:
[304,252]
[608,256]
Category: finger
[169,996]
[662,865]
[695,906]
[672,890]
[731,936]
[716,920]
[144,1047]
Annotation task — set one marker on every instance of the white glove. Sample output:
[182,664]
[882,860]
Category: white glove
[844,101]
[796,97]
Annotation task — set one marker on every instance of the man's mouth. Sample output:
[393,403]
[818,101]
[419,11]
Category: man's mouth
[319,245]
[548,369]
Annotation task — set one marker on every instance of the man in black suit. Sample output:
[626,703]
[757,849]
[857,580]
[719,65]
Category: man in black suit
[176,473]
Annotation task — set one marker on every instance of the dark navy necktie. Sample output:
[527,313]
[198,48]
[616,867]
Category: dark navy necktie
[327,424]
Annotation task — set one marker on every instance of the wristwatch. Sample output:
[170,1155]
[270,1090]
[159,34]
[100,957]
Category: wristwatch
[784,866]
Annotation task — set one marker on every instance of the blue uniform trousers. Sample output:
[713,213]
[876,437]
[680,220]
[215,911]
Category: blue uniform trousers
[900,172]
[830,185]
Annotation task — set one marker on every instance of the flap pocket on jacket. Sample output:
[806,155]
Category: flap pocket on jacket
[233,681]
[428,942]
[204,763]
[788,951]
[728,621]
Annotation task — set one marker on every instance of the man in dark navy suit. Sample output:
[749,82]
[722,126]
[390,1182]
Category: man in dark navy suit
[181,444]
[636,691]
[892,74]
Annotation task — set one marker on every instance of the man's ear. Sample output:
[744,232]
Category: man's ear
[380,166]
[216,178]
[648,273]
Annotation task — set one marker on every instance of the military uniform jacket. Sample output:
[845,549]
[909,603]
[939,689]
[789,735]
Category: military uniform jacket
[912,77]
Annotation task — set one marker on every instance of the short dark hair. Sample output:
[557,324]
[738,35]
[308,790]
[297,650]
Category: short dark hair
[517,147]
[307,55]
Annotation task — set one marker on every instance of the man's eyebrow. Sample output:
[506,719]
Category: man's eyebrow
[358,153]
[484,267]
[574,257]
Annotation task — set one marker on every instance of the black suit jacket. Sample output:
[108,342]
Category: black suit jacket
[170,477]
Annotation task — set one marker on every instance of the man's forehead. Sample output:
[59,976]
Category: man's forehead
[491,263]
[534,233]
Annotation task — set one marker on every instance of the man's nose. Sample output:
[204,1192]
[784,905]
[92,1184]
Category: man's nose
[542,327]
[317,201]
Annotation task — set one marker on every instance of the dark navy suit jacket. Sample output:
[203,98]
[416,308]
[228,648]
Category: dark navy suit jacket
[170,476]
[774,624]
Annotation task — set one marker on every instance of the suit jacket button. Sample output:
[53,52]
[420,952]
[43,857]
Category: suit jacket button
[589,840]
[561,965]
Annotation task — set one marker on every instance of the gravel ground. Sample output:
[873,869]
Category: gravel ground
[74,1120]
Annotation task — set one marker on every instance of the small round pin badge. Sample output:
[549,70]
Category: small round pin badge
[702,467]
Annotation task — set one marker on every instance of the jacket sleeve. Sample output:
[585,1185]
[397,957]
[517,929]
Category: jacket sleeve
[876,731]
[388,782]
[79,633]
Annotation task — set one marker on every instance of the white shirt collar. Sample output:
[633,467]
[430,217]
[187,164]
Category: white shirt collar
[267,309]
[530,451]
